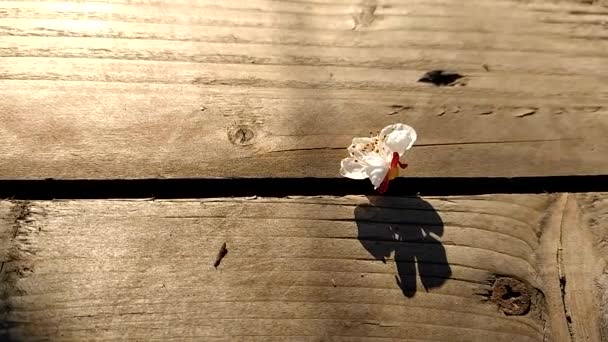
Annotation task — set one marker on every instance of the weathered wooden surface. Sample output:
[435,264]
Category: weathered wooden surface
[304,269]
[261,88]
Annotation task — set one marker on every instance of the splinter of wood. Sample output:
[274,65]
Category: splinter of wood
[220,255]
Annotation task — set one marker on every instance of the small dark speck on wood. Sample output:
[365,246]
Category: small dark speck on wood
[486,112]
[396,109]
[220,255]
[522,112]
[440,77]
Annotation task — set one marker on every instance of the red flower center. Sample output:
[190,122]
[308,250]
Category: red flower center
[392,173]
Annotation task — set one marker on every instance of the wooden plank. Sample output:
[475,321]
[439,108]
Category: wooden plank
[262,88]
[584,274]
[304,269]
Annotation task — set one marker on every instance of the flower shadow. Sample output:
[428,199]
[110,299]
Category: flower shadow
[410,228]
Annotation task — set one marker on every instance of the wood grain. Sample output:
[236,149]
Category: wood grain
[585,247]
[303,269]
[264,88]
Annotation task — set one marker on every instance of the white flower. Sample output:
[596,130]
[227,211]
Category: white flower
[377,157]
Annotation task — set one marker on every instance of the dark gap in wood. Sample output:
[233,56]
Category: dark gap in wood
[281,187]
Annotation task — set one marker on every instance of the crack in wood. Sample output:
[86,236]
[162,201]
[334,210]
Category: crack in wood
[495,142]
[561,273]
[306,149]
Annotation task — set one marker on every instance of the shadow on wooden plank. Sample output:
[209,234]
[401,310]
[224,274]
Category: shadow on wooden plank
[412,233]
[5,326]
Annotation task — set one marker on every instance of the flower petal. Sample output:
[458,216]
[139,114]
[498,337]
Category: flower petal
[398,137]
[353,168]
[376,169]
[385,152]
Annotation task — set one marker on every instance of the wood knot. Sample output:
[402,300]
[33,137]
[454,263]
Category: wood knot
[511,295]
[366,16]
[241,135]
